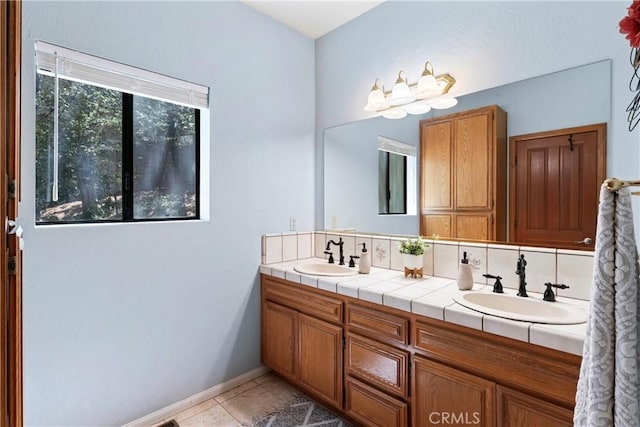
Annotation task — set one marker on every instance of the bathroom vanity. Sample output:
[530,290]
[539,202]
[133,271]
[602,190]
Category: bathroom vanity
[382,366]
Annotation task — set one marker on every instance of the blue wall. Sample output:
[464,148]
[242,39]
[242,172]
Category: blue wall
[483,44]
[122,320]
[576,97]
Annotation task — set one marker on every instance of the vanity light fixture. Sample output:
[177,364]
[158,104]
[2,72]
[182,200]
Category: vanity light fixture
[429,92]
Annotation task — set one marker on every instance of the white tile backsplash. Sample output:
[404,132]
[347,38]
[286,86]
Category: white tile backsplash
[576,271]
[289,247]
[273,249]
[477,255]
[380,256]
[397,259]
[502,261]
[445,260]
[320,244]
[574,268]
[540,268]
[305,245]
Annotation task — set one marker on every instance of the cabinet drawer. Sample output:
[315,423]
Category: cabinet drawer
[371,407]
[378,325]
[319,306]
[515,364]
[380,364]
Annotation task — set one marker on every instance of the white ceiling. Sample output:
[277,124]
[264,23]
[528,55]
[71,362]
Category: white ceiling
[313,18]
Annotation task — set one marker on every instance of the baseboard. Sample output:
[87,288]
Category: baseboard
[171,410]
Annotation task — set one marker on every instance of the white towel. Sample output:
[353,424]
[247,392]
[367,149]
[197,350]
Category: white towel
[609,383]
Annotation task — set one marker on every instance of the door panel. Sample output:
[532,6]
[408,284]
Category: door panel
[279,331]
[320,359]
[473,148]
[555,185]
[436,225]
[10,284]
[436,165]
[473,227]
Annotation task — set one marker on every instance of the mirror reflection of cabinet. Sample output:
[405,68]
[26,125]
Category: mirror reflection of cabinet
[463,175]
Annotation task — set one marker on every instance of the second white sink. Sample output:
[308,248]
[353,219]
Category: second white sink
[523,309]
[325,269]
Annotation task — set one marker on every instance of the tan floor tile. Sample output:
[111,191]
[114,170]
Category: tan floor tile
[194,410]
[280,388]
[253,402]
[266,377]
[215,416]
[235,391]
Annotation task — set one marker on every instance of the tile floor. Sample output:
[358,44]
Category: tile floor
[238,406]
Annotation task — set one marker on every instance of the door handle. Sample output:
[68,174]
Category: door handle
[585,241]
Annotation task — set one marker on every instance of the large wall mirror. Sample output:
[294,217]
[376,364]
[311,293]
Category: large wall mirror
[571,98]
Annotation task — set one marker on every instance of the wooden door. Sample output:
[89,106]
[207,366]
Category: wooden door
[555,180]
[446,396]
[279,338]
[320,358]
[473,162]
[436,148]
[10,281]
[519,409]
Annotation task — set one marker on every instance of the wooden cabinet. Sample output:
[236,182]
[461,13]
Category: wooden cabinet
[320,368]
[519,409]
[463,170]
[302,348]
[379,366]
[279,338]
[443,395]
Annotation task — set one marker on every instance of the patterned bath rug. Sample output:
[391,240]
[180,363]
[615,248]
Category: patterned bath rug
[301,412]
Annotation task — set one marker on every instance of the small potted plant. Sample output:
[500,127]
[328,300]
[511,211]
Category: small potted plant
[413,249]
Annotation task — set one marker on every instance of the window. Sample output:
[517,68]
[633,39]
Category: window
[396,177]
[114,143]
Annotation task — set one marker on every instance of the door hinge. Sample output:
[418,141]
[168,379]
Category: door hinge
[11,188]
[12,265]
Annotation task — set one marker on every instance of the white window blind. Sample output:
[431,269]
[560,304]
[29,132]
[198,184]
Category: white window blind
[84,68]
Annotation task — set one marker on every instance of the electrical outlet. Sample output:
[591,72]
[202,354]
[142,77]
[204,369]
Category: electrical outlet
[292,223]
[334,222]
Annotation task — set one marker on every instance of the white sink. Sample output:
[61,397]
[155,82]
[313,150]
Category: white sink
[325,269]
[523,309]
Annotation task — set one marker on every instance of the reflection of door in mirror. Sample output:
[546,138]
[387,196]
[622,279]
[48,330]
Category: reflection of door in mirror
[463,175]
[567,167]
[396,177]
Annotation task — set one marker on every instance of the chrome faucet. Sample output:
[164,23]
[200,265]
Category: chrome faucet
[340,244]
[520,271]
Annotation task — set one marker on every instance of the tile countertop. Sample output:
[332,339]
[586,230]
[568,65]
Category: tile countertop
[432,297]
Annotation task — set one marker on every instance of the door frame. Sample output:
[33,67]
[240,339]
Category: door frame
[601,165]
[11,411]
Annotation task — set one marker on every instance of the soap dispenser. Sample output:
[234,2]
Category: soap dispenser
[365,260]
[465,274]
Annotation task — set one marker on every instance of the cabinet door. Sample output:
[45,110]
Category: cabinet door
[279,338]
[439,225]
[443,395]
[475,227]
[473,162]
[519,409]
[371,407]
[435,165]
[320,359]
